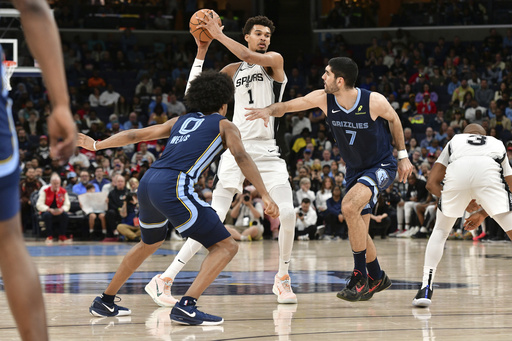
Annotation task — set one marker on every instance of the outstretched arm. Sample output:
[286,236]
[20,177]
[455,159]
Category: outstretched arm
[231,138]
[315,99]
[126,137]
[44,42]
[197,66]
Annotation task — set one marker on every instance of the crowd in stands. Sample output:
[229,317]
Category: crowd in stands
[436,89]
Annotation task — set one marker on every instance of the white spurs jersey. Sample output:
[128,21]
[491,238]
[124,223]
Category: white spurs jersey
[471,145]
[254,88]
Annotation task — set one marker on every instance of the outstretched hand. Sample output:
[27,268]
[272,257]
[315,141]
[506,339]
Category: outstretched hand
[255,113]
[271,207]
[85,141]
[62,131]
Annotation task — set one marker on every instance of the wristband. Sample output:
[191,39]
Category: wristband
[402,154]
[195,71]
[94,145]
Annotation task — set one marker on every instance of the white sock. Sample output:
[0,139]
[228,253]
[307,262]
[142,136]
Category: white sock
[428,276]
[188,250]
[283,197]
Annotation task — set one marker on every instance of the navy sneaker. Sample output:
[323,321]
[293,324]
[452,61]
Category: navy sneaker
[376,285]
[100,308]
[190,315]
[423,298]
[356,288]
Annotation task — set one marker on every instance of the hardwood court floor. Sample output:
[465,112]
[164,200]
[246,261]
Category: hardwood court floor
[471,301]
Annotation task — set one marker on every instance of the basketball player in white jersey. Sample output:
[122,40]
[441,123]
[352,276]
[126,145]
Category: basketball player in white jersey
[259,81]
[474,167]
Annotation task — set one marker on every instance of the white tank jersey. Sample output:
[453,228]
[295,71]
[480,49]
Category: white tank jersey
[471,145]
[254,88]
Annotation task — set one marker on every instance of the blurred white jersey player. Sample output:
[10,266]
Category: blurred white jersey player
[259,81]
[472,167]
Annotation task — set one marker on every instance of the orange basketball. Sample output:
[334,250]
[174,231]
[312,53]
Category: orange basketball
[198,32]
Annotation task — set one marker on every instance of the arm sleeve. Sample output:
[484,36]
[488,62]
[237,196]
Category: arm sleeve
[195,71]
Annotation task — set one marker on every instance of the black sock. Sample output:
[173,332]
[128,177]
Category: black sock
[108,298]
[360,262]
[188,300]
[374,270]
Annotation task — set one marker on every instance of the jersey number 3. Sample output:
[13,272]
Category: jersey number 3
[477,140]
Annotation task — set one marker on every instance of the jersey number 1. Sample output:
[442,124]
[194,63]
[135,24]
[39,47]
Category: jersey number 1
[250,97]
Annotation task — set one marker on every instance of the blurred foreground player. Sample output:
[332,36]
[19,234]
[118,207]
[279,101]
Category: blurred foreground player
[19,274]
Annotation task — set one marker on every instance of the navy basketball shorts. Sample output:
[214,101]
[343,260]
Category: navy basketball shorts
[10,195]
[376,178]
[167,196]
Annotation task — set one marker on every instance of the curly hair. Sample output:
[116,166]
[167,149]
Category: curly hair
[209,91]
[258,20]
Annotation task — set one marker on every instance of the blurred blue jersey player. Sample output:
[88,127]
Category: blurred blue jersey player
[166,192]
[363,124]
[19,275]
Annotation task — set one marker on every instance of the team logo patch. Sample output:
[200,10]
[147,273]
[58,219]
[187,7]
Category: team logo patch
[382,178]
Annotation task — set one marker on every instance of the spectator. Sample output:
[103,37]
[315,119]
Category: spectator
[470,113]
[248,214]
[81,187]
[484,95]
[416,194]
[122,108]
[158,116]
[321,198]
[28,186]
[379,218]
[146,83]
[95,81]
[53,205]
[306,217]
[500,122]
[95,215]
[43,151]
[71,181]
[33,126]
[133,122]
[426,106]
[304,191]
[116,199]
[174,106]
[335,224]
[79,159]
[99,179]
[129,226]
[94,98]
[109,97]
[460,92]
[143,153]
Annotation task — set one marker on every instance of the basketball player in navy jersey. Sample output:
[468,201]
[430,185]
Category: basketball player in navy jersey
[19,274]
[166,192]
[359,121]
[259,80]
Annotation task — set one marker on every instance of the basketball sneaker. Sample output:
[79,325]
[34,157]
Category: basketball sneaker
[101,308]
[376,285]
[356,288]
[283,289]
[160,291]
[423,298]
[190,315]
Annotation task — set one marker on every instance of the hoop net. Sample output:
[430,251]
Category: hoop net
[9,67]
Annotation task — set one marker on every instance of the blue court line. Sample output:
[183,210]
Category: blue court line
[87,250]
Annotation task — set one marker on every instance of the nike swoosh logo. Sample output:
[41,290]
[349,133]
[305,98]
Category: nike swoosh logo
[385,164]
[359,288]
[158,293]
[271,150]
[335,111]
[108,308]
[187,313]
[197,66]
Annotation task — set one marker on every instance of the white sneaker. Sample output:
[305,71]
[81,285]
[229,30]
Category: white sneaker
[303,237]
[160,291]
[283,289]
[395,234]
[403,234]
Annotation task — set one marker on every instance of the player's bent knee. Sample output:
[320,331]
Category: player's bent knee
[287,214]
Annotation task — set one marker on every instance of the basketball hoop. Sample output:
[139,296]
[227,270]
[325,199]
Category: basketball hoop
[9,67]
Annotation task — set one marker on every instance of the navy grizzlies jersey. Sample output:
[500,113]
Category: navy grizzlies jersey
[363,142]
[194,143]
[9,157]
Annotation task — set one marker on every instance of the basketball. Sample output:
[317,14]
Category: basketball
[198,32]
